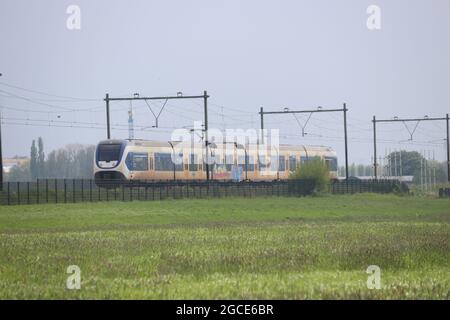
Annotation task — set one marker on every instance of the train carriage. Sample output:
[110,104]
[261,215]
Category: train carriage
[139,160]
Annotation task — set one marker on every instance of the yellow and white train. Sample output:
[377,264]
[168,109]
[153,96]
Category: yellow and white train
[128,160]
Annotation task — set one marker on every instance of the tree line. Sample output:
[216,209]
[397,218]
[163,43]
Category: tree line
[76,161]
[72,161]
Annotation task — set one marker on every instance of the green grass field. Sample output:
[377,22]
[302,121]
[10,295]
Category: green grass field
[260,248]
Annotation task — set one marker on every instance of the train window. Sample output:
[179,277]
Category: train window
[292,163]
[229,162]
[250,163]
[193,162]
[163,162]
[214,158]
[331,163]
[274,166]
[217,159]
[281,163]
[263,162]
[179,166]
[151,163]
[137,161]
[305,158]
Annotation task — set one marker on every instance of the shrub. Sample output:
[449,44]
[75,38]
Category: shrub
[315,170]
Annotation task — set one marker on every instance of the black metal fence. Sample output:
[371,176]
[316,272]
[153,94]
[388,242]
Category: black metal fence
[81,190]
[375,185]
[444,192]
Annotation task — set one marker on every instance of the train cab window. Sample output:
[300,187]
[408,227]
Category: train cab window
[108,152]
[137,161]
[331,163]
[292,163]
[281,163]
[193,162]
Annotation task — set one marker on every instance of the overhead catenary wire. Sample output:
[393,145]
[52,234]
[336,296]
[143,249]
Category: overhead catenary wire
[48,94]
[48,104]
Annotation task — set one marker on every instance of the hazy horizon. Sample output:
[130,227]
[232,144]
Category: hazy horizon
[247,55]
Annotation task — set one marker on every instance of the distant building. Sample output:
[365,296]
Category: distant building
[9,163]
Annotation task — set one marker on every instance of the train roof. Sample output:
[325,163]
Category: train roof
[157,143]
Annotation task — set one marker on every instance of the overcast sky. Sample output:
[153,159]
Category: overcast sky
[247,54]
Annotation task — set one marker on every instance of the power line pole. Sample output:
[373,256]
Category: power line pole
[262,124]
[287,111]
[1,155]
[425,170]
[414,120]
[448,148]
[108,129]
[421,173]
[375,147]
[345,139]
[205,106]
[395,164]
[429,170]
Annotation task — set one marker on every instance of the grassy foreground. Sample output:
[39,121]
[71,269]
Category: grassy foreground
[261,248]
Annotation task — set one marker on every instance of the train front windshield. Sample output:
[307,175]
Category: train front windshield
[108,152]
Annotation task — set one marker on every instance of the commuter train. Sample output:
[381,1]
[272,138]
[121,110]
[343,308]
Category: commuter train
[145,160]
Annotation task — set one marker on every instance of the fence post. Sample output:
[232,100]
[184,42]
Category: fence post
[90,190]
[18,192]
[56,191]
[9,194]
[73,190]
[46,190]
[65,191]
[37,191]
[82,190]
[167,191]
[139,192]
